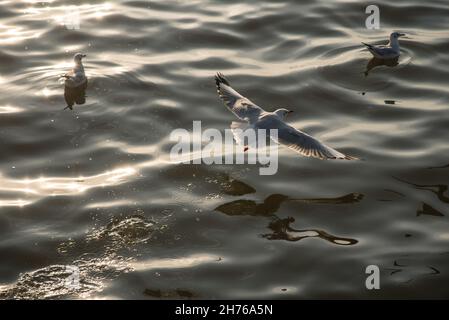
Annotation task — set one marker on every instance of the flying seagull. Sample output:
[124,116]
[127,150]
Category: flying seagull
[257,118]
[390,51]
[76,77]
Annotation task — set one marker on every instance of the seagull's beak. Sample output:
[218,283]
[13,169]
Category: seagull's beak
[84,55]
[290,111]
[401,34]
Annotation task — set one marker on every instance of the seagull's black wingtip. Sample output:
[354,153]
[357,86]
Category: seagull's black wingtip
[220,78]
[368,45]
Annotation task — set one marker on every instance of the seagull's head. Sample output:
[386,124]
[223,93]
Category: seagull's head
[282,113]
[395,36]
[78,57]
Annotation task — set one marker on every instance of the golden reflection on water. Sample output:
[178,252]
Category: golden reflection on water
[60,15]
[47,92]
[109,204]
[10,109]
[180,262]
[13,34]
[33,190]
[14,203]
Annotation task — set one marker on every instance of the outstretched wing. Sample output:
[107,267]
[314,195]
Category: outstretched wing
[302,142]
[242,107]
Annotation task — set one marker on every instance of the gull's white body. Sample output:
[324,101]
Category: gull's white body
[257,118]
[391,51]
[76,77]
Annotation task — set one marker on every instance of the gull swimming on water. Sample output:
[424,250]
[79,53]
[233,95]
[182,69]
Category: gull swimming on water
[76,77]
[390,51]
[257,118]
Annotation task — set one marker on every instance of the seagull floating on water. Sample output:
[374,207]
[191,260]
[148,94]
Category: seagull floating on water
[76,77]
[257,118]
[390,51]
[75,83]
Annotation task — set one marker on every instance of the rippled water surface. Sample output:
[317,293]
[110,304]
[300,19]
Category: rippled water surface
[93,188]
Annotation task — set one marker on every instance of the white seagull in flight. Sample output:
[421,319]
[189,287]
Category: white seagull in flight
[257,118]
[390,51]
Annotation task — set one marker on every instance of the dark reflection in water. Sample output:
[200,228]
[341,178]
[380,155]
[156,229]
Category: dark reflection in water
[349,198]
[283,231]
[411,269]
[281,227]
[250,208]
[273,202]
[438,189]
[235,187]
[75,95]
[428,210]
[375,62]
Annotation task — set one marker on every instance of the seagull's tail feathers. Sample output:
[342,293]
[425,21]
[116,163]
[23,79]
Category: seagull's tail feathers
[368,45]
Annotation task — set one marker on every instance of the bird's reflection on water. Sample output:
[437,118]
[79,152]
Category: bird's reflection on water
[273,202]
[283,231]
[281,228]
[75,95]
[375,62]
[245,207]
[235,187]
